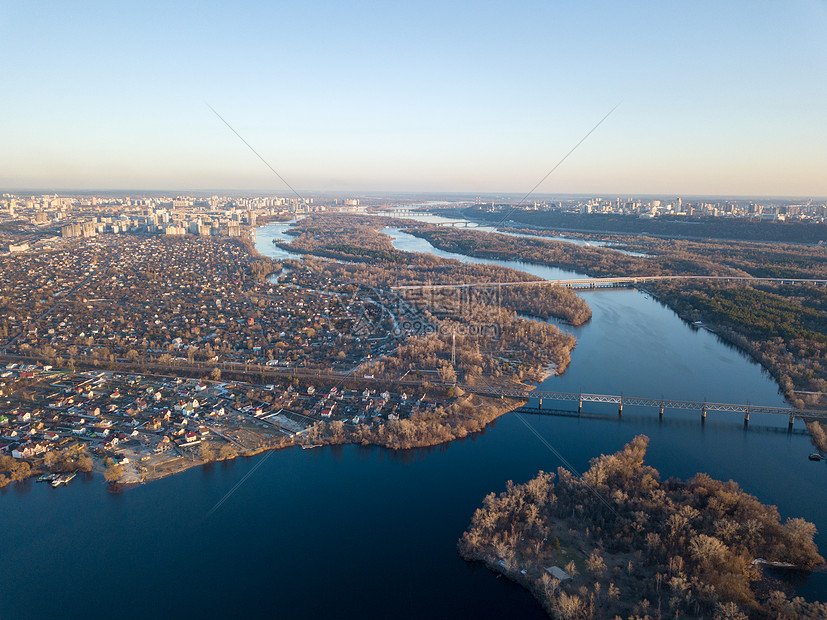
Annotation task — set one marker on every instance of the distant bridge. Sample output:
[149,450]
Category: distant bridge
[399,212]
[460,224]
[615,282]
[412,213]
[659,403]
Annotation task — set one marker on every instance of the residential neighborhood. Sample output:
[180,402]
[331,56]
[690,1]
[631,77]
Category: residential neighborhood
[155,426]
[190,299]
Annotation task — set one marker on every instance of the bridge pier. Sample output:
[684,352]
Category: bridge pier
[703,413]
[660,411]
[620,409]
[580,406]
[790,425]
[540,404]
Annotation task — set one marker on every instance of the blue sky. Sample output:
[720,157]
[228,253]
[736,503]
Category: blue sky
[715,97]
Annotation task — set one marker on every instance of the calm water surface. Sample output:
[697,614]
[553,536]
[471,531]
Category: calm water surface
[368,533]
[432,218]
[265,236]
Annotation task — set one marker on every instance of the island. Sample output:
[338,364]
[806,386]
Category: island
[617,541]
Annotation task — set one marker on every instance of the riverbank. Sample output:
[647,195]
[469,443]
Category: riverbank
[346,502]
[617,541]
[778,335]
[782,328]
[701,229]
[366,255]
[471,414]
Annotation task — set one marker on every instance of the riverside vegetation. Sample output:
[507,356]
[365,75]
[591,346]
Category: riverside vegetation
[474,338]
[74,457]
[818,435]
[594,261]
[783,327]
[742,229]
[356,239]
[635,546]
[772,260]
[488,338]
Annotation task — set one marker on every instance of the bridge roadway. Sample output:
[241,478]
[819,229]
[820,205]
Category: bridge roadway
[621,281]
[661,404]
[406,213]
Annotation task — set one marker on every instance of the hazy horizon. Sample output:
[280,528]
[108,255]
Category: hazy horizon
[715,99]
[458,196]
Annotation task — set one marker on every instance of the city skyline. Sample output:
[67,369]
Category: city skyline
[714,100]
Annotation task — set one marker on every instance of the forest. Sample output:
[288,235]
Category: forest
[760,260]
[662,256]
[632,545]
[594,261]
[742,229]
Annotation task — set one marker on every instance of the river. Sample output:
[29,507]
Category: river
[434,218]
[369,533]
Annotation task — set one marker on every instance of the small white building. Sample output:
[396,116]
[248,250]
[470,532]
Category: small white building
[557,572]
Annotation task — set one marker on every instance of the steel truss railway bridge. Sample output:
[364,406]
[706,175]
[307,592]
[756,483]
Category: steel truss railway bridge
[659,403]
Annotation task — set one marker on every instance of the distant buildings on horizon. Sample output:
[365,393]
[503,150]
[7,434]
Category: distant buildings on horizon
[87,216]
[777,210]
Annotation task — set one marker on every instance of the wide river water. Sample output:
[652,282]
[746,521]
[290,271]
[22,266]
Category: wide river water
[370,533]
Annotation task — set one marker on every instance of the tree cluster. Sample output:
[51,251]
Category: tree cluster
[818,435]
[368,256]
[703,228]
[72,458]
[594,261]
[639,546]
